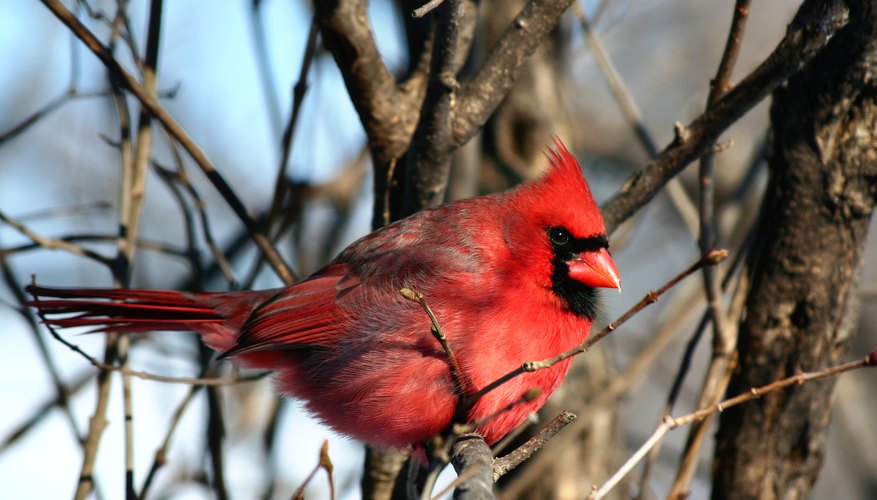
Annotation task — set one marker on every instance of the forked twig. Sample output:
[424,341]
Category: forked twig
[324,463]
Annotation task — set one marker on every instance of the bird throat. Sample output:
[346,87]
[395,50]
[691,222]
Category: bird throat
[579,298]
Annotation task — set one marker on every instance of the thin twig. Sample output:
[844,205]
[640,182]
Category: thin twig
[84,208]
[740,285]
[142,244]
[426,8]
[48,108]
[628,466]
[200,204]
[504,464]
[298,94]
[651,297]
[724,333]
[60,400]
[160,458]
[623,97]
[460,383]
[270,444]
[670,423]
[96,424]
[151,104]
[262,56]
[324,463]
[62,391]
[54,104]
[51,243]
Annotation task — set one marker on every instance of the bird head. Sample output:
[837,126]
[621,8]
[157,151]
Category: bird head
[558,230]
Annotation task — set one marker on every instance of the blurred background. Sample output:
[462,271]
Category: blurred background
[226,72]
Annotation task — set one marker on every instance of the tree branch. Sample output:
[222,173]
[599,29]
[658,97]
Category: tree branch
[802,307]
[388,110]
[151,104]
[479,97]
[808,33]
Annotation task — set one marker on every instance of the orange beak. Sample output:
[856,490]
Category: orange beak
[595,269]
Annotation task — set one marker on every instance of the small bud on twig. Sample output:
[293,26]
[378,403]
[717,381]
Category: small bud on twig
[532,393]
[722,146]
[410,294]
[716,255]
[681,134]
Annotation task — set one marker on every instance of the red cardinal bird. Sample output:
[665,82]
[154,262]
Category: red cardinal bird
[511,277]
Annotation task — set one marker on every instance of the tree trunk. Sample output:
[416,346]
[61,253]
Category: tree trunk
[803,304]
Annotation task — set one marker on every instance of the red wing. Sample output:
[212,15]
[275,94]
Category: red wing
[304,314]
[317,311]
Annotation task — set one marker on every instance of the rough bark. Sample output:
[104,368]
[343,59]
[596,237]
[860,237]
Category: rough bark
[803,304]
[472,457]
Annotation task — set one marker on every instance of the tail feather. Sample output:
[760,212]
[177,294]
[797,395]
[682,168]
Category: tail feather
[216,316]
[127,309]
[169,297]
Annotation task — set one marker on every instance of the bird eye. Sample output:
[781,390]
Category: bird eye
[558,235]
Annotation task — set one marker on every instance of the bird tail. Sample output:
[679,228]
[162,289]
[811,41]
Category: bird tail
[218,317]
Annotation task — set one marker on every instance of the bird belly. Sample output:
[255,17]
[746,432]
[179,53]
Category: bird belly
[397,399]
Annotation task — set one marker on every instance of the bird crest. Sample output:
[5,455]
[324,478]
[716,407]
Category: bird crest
[562,196]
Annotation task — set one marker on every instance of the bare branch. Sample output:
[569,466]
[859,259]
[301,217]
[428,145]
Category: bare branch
[478,99]
[474,464]
[504,464]
[324,463]
[388,111]
[53,243]
[671,423]
[463,386]
[426,8]
[151,104]
[808,33]
[298,95]
[724,332]
[428,163]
